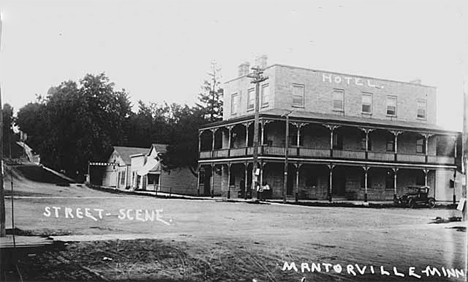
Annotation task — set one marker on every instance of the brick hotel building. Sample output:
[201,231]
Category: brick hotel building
[350,137]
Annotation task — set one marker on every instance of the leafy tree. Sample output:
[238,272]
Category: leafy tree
[183,150]
[8,134]
[77,123]
[211,97]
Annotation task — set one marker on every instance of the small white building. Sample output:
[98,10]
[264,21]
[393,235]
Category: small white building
[118,171]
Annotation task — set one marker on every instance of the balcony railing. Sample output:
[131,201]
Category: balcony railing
[321,153]
[411,158]
[325,153]
[440,159]
[349,154]
[381,156]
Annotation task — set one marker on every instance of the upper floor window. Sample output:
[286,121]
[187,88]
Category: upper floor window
[338,103]
[390,144]
[250,99]
[337,141]
[422,108]
[391,105]
[265,95]
[367,103]
[234,103]
[420,146]
[298,95]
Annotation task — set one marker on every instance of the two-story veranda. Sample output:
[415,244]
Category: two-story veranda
[329,156]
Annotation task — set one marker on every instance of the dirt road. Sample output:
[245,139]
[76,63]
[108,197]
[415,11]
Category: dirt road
[243,242]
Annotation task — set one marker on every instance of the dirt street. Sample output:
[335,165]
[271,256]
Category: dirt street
[228,241]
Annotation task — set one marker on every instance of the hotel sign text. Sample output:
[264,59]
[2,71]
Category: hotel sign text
[349,80]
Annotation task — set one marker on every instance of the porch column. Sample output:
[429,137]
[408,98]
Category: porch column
[396,133]
[213,131]
[199,142]
[367,131]
[229,137]
[426,145]
[330,188]
[366,174]
[229,178]
[455,147]
[198,180]
[261,196]
[332,129]
[395,171]
[426,171]
[213,171]
[298,166]
[245,181]
[262,135]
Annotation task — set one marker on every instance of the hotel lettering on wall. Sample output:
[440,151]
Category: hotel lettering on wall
[348,80]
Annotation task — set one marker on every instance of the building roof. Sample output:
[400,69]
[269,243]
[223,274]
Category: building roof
[126,152]
[160,148]
[330,118]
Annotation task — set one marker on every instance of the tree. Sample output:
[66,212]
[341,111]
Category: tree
[77,123]
[183,149]
[8,134]
[211,98]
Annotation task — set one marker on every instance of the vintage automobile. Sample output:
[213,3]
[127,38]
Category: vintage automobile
[416,196]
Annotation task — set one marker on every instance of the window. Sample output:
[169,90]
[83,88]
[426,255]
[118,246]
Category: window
[420,146]
[367,103]
[390,144]
[337,141]
[391,105]
[390,180]
[422,109]
[234,102]
[250,99]
[338,104]
[265,95]
[298,95]
[363,143]
[122,178]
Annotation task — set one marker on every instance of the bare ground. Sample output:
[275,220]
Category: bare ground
[219,241]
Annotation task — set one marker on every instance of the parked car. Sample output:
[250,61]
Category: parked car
[416,196]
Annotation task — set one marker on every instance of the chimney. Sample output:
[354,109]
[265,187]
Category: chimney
[416,81]
[261,61]
[244,69]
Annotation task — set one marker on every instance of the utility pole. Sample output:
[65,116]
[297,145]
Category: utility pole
[2,192]
[286,156]
[465,147]
[257,78]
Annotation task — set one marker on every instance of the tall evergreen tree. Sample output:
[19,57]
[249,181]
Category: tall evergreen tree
[211,97]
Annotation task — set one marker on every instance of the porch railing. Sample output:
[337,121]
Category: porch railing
[321,153]
[381,156]
[440,159]
[325,153]
[411,158]
[349,154]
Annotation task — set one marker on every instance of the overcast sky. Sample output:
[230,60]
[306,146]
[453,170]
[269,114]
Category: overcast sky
[162,50]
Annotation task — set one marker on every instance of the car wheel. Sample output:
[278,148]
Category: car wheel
[411,204]
[432,203]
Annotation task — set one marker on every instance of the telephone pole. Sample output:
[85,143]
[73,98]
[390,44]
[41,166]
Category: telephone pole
[257,78]
[2,192]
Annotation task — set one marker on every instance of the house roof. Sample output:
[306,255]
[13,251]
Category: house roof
[126,152]
[330,118]
[160,148]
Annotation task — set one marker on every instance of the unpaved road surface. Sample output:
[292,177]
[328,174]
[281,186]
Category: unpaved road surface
[206,240]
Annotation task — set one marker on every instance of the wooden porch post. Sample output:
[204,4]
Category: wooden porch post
[366,174]
[330,188]
[395,171]
[229,180]
[213,168]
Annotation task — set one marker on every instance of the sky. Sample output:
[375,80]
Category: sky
[161,51]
